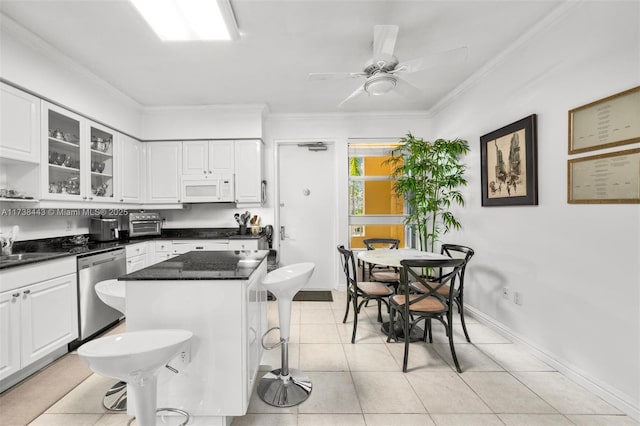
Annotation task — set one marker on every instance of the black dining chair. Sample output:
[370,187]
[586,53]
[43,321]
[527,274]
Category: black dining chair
[380,273]
[359,293]
[426,306]
[459,252]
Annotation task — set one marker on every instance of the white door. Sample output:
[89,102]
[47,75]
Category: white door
[307,211]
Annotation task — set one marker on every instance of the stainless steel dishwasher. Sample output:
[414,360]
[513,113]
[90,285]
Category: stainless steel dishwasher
[93,314]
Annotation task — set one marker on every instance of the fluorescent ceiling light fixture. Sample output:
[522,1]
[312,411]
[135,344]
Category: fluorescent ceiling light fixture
[187,20]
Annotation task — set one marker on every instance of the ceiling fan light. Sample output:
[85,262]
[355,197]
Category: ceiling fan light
[380,84]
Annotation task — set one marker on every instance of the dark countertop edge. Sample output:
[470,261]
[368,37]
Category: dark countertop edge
[138,276]
[115,245]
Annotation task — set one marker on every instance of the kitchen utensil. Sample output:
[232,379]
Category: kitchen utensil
[237,218]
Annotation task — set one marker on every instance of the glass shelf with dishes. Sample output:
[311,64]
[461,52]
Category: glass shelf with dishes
[63,176]
[101,153]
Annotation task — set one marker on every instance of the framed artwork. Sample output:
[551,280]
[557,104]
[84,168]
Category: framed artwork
[611,121]
[508,158]
[612,178]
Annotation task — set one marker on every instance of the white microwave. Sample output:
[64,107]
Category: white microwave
[207,189]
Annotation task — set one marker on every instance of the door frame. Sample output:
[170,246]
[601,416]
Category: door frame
[278,143]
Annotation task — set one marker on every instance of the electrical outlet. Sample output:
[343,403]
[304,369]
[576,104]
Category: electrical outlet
[517,298]
[505,292]
[68,226]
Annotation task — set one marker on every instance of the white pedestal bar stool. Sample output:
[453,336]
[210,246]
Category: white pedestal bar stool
[113,294]
[136,358]
[285,387]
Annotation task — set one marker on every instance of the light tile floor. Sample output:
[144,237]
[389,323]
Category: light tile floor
[363,384]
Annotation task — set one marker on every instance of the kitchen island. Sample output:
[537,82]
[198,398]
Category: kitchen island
[217,295]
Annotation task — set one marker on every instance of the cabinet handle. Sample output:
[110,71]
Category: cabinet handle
[128,261]
[209,171]
[90,198]
[84,198]
[15,295]
[121,200]
[26,292]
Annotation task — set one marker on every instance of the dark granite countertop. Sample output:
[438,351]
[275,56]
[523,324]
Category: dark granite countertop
[203,265]
[52,248]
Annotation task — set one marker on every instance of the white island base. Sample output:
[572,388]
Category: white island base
[227,318]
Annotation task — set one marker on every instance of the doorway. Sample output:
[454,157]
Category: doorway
[306,208]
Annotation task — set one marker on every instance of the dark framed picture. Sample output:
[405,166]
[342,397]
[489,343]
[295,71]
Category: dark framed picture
[508,158]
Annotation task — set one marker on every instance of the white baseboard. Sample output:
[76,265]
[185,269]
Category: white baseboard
[614,397]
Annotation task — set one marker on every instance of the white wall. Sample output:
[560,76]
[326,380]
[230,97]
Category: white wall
[577,266]
[33,64]
[205,122]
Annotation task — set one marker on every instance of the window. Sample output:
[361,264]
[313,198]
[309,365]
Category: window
[375,211]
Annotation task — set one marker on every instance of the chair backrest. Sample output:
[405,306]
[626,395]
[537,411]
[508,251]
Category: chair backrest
[450,276]
[349,267]
[455,251]
[374,243]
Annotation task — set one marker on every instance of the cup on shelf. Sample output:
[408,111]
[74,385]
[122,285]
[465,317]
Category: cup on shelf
[52,157]
[60,159]
[68,162]
[100,167]
[94,166]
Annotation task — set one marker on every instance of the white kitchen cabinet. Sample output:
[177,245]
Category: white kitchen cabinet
[63,166]
[164,168]
[10,350]
[19,125]
[102,164]
[202,158]
[244,244]
[137,256]
[38,314]
[49,317]
[249,188]
[163,251]
[131,169]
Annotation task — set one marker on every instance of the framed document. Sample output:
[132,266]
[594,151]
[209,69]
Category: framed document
[508,161]
[607,178]
[608,122]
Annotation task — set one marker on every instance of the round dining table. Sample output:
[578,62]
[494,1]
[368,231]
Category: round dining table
[392,258]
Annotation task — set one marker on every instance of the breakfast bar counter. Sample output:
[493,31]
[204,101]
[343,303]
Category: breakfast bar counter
[218,296]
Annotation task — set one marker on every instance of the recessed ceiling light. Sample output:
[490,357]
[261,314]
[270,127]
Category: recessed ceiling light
[187,20]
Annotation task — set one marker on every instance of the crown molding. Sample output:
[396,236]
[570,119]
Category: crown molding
[550,19]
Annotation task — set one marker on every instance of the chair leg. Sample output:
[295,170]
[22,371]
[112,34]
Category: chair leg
[379,311]
[391,331]
[461,310]
[355,319]
[453,349]
[346,313]
[407,340]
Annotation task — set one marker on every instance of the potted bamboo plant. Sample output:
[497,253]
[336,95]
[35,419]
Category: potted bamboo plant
[429,175]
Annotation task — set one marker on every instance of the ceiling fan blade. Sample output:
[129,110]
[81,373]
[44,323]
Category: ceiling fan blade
[359,91]
[334,75]
[447,57]
[406,89]
[384,41]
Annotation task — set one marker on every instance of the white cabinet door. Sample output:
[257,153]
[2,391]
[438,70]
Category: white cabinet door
[136,263]
[130,177]
[221,154]
[247,244]
[19,125]
[248,169]
[49,314]
[195,158]
[65,161]
[9,333]
[102,164]
[164,164]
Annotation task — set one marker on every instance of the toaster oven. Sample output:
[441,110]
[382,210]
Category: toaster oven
[146,223]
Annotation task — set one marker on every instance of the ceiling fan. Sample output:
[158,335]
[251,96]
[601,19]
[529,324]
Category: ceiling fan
[381,73]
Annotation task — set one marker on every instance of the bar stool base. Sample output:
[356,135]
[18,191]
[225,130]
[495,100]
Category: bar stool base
[116,397]
[284,391]
[183,413]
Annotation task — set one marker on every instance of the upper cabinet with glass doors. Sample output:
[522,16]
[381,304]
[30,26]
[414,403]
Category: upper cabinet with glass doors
[78,161]
[63,156]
